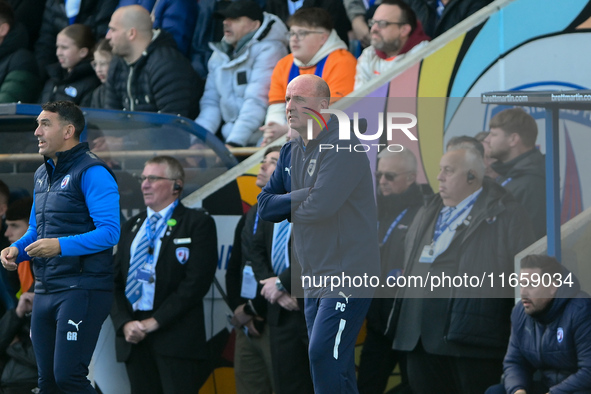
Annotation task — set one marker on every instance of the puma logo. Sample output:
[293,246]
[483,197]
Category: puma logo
[288,169]
[345,296]
[75,324]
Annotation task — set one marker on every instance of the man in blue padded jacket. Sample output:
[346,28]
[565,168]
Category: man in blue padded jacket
[73,227]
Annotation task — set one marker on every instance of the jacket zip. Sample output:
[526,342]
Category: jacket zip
[131,103]
[43,279]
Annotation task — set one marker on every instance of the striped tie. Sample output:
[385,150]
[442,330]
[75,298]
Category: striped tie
[133,288]
[280,251]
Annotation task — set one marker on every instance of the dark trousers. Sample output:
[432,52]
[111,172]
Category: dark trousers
[64,329]
[152,373]
[377,363]
[430,373]
[333,326]
[289,352]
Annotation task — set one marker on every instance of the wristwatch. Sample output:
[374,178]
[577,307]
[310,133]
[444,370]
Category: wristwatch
[279,285]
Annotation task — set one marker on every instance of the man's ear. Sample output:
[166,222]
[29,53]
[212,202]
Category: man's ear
[4,29]
[70,131]
[131,33]
[514,139]
[405,30]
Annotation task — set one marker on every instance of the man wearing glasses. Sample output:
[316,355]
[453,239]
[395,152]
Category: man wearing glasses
[165,263]
[394,32]
[399,198]
[315,49]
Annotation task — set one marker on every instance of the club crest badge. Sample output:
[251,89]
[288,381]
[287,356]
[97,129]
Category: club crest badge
[312,167]
[65,181]
[182,255]
[560,334]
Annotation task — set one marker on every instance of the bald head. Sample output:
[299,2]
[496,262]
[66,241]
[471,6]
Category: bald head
[320,86]
[130,32]
[136,16]
[303,93]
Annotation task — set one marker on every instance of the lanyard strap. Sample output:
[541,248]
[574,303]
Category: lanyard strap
[394,224]
[506,181]
[440,227]
[152,237]
[256,224]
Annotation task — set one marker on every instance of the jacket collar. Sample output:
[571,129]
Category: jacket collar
[490,203]
[392,205]
[524,163]
[64,159]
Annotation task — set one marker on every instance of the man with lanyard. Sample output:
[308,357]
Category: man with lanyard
[399,198]
[455,336]
[73,227]
[164,266]
[315,49]
[253,367]
[328,196]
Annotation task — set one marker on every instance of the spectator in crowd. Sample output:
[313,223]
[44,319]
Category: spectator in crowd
[237,87]
[271,262]
[550,333]
[178,17]
[30,14]
[60,13]
[399,198]
[18,70]
[9,284]
[284,9]
[358,12]
[19,367]
[253,367]
[17,223]
[512,142]
[75,225]
[395,32]
[164,266]
[441,15]
[456,337]
[4,198]
[72,78]
[436,17]
[315,49]
[330,201]
[148,72]
[102,60]
[208,30]
[466,142]
[481,136]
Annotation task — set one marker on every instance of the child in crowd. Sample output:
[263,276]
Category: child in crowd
[101,62]
[73,78]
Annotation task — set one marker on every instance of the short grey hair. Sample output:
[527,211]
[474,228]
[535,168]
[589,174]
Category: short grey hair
[407,156]
[474,161]
[174,168]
